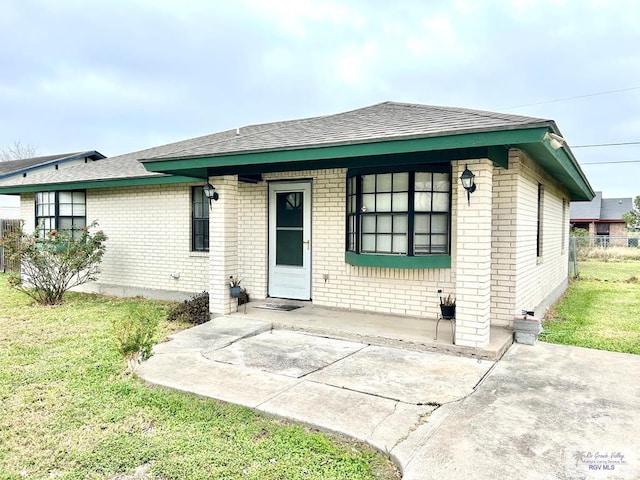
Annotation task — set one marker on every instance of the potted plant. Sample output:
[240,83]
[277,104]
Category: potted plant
[234,285]
[447,306]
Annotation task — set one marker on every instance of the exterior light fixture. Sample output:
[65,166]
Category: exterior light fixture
[468,182]
[210,192]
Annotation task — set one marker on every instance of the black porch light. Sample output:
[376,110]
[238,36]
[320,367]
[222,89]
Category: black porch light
[210,192]
[468,182]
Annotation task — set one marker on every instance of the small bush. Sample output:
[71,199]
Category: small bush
[134,335]
[54,262]
[195,310]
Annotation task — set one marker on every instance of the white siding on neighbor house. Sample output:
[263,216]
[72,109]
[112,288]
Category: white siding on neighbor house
[520,279]
[9,207]
[149,239]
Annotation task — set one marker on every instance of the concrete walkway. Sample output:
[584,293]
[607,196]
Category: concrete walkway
[437,415]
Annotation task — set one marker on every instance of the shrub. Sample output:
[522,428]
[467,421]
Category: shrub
[53,264]
[195,310]
[134,335]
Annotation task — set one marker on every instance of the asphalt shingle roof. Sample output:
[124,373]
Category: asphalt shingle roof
[384,121]
[600,208]
[9,166]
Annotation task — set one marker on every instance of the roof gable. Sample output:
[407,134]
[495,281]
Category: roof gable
[600,209]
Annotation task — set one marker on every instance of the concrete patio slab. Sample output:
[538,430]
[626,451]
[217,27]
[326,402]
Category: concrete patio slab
[542,412]
[284,352]
[419,378]
[381,421]
[545,412]
[214,334]
[230,383]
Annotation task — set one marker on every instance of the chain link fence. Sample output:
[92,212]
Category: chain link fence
[606,258]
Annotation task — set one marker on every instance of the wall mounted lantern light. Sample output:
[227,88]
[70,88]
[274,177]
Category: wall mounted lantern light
[210,192]
[468,182]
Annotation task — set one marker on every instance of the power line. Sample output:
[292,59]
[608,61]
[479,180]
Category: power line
[605,144]
[607,163]
[571,98]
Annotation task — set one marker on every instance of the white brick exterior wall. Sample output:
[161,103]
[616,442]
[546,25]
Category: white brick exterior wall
[520,279]
[385,290]
[495,271]
[473,255]
[149,238]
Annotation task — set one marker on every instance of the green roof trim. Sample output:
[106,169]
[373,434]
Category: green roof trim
[229,163]
[116,182]
[489,144]
[397,261]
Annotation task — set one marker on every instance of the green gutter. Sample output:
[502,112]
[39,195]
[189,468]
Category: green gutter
[119,182]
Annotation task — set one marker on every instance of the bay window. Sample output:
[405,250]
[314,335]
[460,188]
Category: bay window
[402,213]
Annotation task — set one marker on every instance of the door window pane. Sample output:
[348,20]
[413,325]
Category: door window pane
[289,247]
[289,209]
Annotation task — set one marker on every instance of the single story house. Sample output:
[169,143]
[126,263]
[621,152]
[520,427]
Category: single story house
[601,216]
[360,210]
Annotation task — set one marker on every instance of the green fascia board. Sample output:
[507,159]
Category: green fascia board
[116,182]
[563,167]
[229,163]
[397,261]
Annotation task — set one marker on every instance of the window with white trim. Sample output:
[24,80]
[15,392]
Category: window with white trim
[399,213]
[64,210]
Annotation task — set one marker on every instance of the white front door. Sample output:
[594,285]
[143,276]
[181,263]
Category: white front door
[290,240]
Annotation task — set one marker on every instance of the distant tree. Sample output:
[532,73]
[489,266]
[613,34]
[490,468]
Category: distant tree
[633,217]
[17,151]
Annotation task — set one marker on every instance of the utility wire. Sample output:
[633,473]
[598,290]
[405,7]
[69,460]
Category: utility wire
[571,98]
[607,163]
[605,144]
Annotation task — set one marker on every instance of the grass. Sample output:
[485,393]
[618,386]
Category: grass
[599,310]
[68,412]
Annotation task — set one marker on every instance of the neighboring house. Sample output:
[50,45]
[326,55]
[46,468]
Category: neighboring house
[10,204]
[601,216]
[9,207]
[360,210]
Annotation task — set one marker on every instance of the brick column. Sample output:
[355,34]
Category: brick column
[223,243]
[473,255]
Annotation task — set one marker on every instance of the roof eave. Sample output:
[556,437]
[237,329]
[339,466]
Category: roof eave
[530,138]
[102,183]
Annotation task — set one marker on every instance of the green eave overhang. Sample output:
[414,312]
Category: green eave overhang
[493,145]
[88,184]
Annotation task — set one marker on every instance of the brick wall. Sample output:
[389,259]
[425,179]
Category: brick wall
[473,255]
[149,239]
[522,280]
[404,292]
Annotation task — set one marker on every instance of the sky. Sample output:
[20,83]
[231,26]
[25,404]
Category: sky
[119,76]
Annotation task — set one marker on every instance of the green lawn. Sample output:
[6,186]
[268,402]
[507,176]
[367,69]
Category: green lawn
[600,310]
[68,412]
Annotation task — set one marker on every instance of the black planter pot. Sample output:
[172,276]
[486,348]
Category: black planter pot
[235,292]
[448,311]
